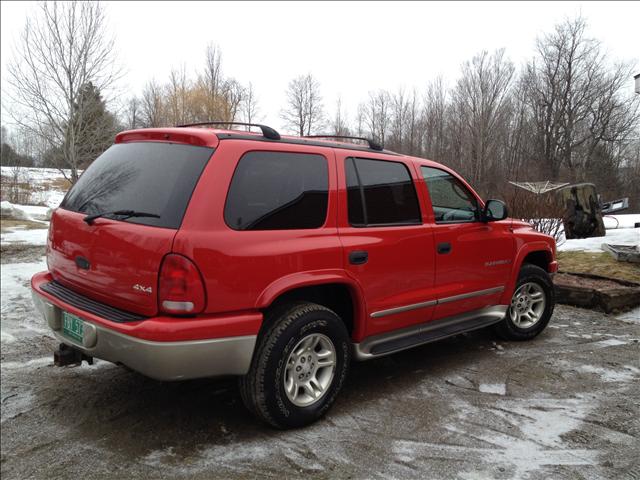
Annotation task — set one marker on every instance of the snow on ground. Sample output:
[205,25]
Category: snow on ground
[36,236]
[18,317]
[40,180]
[34,213]
[624,234]
[632,316]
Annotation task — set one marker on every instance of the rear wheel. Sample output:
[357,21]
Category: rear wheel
[531,305]
[299,367]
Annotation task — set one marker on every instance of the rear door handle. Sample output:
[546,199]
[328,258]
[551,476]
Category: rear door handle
[444,248]
[358,257]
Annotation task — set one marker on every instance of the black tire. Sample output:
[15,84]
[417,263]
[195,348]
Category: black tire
[506,329]
[262,389]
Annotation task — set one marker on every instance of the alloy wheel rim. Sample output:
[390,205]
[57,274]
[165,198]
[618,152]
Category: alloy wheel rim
[527,305]
[310,370]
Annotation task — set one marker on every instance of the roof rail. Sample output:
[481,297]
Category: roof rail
[373,145]
[267,132]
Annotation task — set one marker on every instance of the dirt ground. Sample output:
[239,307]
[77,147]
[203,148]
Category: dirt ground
[566,405]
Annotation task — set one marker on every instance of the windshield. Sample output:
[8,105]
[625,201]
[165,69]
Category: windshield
[144,177]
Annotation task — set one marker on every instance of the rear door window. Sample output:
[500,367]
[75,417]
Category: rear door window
[452,202]
[148,177]
[380,193]
[278,191]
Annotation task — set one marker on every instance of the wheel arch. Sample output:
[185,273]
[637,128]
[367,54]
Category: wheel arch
[333,290]
[535,253]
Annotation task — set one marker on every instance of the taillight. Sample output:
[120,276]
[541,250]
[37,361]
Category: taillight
[180,290]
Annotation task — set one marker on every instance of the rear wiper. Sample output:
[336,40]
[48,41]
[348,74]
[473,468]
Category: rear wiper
[125,213]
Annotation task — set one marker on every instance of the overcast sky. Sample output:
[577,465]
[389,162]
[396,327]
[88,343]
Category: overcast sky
[352,48]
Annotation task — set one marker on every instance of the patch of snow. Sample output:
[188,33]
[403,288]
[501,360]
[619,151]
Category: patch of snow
[16,404]
[18,316]
[622,236]
[41,180]
[494,388]
[36,236]
[528,438]
[34,363]
[612,342]
[632,316]
[25,212]
[620,221]
[624,375]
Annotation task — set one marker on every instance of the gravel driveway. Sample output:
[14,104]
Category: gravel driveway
[565,405]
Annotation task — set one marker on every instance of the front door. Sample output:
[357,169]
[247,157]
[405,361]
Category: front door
[473,258]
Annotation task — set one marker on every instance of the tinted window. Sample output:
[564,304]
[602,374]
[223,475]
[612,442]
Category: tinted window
[156,178]
[278,191]
[451,200]
[380,193]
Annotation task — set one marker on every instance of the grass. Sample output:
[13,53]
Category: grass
[8,224]
[601,264]
[59,183]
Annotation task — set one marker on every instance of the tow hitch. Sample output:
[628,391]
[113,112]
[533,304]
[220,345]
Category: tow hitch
[66,355]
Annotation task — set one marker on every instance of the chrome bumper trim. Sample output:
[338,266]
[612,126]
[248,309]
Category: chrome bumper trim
[158,360]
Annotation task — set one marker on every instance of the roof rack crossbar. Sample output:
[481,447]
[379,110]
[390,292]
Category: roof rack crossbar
[373,145]
[267,132]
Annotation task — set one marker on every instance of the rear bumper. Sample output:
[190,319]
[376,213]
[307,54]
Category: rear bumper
[162,360]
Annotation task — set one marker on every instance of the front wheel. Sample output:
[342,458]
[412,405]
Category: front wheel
[299,366]
[531,305]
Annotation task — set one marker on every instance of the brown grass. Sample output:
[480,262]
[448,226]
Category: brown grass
[8,224]
[596,263]
[59,183]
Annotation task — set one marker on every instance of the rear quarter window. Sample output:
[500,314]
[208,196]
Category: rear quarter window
[156,178]
[278,191]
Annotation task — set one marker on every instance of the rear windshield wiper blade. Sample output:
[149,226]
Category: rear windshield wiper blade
[125,213]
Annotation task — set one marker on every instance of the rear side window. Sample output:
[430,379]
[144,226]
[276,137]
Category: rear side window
[380,193]
[278,191]
[452,201]
[148,177]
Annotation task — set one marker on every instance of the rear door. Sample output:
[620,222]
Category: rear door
[387,248]
[473,258]
[116,260]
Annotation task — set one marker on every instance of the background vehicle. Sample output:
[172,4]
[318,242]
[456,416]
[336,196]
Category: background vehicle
[194,252]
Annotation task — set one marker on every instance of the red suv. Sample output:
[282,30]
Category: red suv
[194,252]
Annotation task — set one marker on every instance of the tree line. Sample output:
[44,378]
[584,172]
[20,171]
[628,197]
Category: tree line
[565,115]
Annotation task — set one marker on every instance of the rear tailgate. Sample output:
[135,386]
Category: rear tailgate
[116,260]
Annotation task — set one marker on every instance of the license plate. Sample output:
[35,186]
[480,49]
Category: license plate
[72,326]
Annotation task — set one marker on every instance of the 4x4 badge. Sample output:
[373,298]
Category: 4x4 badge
[140,288]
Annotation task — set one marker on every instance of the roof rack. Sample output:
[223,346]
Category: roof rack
[267,132]
[373,145]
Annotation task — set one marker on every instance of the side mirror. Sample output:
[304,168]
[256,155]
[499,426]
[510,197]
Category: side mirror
[494,210]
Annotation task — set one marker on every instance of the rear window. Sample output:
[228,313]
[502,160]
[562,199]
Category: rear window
[156,178]
[278,191]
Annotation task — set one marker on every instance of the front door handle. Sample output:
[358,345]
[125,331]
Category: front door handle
[444,248]
[358,257]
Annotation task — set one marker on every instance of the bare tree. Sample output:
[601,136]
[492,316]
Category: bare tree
[134,113]
[249,107]
[177,92]
[577,100]
[63,49]
[377,115]
[481,100]
[152,105]
[339,125]
[303,112]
